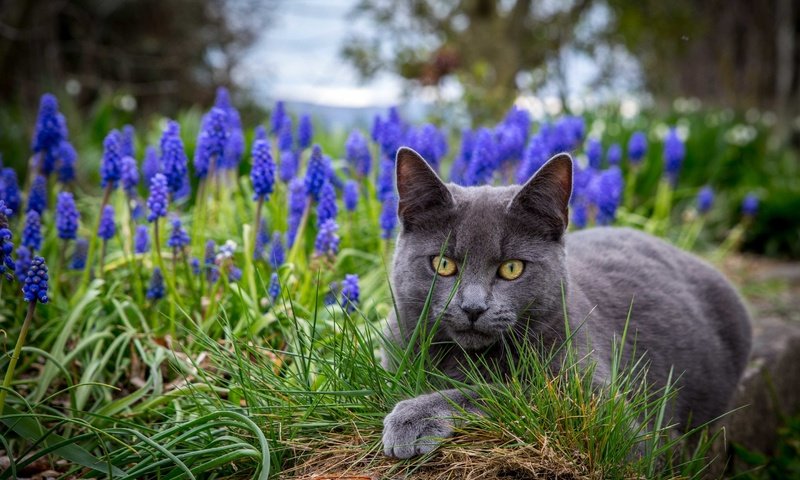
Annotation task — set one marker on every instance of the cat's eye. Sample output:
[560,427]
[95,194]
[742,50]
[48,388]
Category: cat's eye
[511,269]
[444,266]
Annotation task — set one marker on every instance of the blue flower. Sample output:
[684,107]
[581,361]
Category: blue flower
[80,254]
[155,289]
[484,159]
[195,265]
[289,166]
[260,133]
[750,205]
[178,238]
[211,142]
[126,144]
[705,199]
[580,214]
[316,172]
[37,200]
[68,156]
[234,273]
[305,132]
[110,165]
[7,264]
[276,253]
[429,142]
[536,155]
[376,132]
[357,153]
[107,228]
[278,116]
[674,152]
[350,195]
[9,190]
[605,192]
[350,292]
[274,289]
[614,154]
[35,286]
[158,201]
[130,175]
[637,147]
[285,135]
[459,168]
[234,148]
[67,216]
[212,272]
[326,208]
[594,153]
[262,174]
[141,239]
[388,218]
[262,239]
[150,165]
[298,199]
[32,231]
[23,263]
[173,157]
[49,129]
[327,242]
[385,187]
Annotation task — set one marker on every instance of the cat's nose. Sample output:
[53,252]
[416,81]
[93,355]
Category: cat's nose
[473,302]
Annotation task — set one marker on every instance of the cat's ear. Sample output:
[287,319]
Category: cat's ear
[546,194]
[420,190]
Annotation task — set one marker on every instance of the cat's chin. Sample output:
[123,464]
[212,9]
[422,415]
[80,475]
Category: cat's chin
[472,339]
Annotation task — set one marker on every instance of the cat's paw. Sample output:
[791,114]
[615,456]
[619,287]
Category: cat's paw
[415,427]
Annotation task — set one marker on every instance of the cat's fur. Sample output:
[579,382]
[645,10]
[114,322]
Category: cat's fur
[686,316]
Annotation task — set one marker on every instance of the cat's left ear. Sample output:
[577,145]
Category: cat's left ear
[421,193]
[546,195]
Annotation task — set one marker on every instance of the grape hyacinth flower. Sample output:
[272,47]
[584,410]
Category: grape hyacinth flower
[126,144]
[178,238]
[195,265]
[385,187]
[305,132]
[9,190]
[37,200]
[260,133]
[614,154]
[155,289]
[750,205]
[67,216]
[674,152]
[484,159]
[141,239]
[107,228]
[80,254]
[277,254]
[388,218]
[316,172]
[262,173]
[297,198]
[129,175]
[594,152]
[278,116]
[150,165]
[705,199]
[459,168]
[579,214]
[327,242]
[357,153]
[111,163]
[350,195]
[535,156]
[212,272]
[637,147]
[262,239]
[605,192]
[7,265]
[173,157]
[32,231]
[289,166]
[285,140]
[274,289]
[23,263]
[211,142]
[350,292]
[34,288]
[158,201]
[326,208]
[68,156]
[49,130]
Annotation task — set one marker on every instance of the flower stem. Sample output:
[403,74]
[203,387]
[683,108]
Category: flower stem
[15,356]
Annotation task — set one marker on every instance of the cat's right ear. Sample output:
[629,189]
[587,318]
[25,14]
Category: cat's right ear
[420,190]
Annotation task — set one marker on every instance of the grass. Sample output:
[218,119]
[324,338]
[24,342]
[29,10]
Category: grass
[218,380]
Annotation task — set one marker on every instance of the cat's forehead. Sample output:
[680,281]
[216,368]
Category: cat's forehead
[481,215]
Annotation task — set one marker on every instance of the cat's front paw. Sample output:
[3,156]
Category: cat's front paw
[415,427]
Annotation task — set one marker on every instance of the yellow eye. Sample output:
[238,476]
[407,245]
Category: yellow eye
[444,266]
[511,269]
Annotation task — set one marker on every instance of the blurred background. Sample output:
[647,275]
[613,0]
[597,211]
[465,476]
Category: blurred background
[726,72]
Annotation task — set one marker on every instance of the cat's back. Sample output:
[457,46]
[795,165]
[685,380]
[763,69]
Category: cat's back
[684,313]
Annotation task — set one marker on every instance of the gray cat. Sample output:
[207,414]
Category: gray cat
[515,256]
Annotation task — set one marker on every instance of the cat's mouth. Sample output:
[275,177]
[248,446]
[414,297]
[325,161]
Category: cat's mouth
[473,338]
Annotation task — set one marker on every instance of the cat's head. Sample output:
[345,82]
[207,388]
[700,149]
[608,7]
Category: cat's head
[496,253]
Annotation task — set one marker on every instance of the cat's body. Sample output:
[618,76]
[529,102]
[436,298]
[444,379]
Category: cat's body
[685,315]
